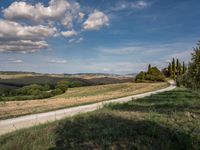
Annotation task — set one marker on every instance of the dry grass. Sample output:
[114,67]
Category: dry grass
[76,96]
[15,76]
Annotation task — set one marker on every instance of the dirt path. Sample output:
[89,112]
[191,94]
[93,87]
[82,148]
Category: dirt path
[13,124]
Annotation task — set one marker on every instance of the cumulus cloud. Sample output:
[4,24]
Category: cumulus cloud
[10,29]
[16,37]
[96,20]
[69,33]
[27,27]
[22,10]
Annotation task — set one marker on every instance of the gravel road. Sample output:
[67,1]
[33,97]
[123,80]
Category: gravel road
[14,124]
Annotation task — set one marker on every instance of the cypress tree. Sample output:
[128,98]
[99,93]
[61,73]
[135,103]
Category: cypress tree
[184,68]
[180,69]
[149,68]
[170,69]
[173,67]
[177,67]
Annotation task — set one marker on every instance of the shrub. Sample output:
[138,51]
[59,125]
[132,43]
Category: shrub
[46,87]
[62,85]
[153,74]
[56,91]
[75,84]
[140,76]
[29,90]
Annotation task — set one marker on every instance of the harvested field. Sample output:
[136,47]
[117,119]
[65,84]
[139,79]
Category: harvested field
[76,96]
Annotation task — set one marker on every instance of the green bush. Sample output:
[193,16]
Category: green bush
[29,90]
[62,85]
[46,87]
[153,74]
[56,91]
[141,76]
[75,84]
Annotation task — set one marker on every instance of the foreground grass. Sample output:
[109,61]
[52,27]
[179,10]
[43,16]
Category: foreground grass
[166,121]
[76,97]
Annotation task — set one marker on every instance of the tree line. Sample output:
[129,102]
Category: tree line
[191,78]
[187,76]
[36,91]
[152,74]
[175,69]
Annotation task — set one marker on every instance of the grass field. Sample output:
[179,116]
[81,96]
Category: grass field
[166,121]
[22,79]
[76,96]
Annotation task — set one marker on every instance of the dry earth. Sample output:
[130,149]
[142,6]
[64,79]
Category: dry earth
[76,96]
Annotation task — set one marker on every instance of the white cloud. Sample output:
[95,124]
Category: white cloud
[75,40]
[16,37]
[15,60]
[79,40]
[22,10]
[10,29]
[114,67]
[96,20]
[80,16]
[123,5]
[139,4]
[58,61]
[69,33]
[67,21]
[183,55]
[23,46]
[26,27]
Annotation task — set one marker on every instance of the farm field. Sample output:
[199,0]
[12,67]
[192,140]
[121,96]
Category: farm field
[16,80]
[76,96]
[169,120]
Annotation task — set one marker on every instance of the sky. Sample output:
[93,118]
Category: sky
[96,36]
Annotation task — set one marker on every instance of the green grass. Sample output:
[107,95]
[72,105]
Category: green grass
[165,121]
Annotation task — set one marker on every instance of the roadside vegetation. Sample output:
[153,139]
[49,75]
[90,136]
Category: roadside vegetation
[37,86]
[76,96]
[152,75]
[191,79]
[36,91]
[169,120]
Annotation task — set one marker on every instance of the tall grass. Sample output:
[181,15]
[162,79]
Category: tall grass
[165,121]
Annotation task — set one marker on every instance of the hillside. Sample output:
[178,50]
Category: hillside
[164,121]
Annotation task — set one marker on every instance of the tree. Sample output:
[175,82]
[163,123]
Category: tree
[62,85]
[149,67]
[153,74]
[184,68]
[173,66]
[140,76]
[46,87]
[192,78]
[170,70]
[177,66]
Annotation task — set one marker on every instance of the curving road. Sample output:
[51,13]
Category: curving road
[13,124]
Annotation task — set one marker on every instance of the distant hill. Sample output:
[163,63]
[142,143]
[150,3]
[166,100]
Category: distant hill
[52,80]
[16,72]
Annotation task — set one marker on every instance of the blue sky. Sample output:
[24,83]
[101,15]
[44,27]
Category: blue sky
[108,36]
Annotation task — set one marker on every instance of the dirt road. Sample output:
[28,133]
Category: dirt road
[13,124]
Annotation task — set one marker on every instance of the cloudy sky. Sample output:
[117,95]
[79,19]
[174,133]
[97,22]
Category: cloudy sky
[108,36]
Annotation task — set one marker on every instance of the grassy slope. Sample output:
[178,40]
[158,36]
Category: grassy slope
[169,120]
[75,97]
